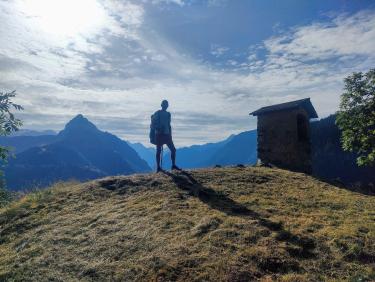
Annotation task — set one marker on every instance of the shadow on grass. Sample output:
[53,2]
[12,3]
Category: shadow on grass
[216,200]
[365,189]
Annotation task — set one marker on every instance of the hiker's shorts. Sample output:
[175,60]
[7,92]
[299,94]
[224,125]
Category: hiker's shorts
[162,139]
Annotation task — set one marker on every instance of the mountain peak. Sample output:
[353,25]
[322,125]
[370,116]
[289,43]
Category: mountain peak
[79,122]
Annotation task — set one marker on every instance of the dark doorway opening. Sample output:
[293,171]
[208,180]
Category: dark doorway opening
[302,128]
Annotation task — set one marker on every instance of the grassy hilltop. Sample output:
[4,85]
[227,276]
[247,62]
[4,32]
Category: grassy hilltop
[224,224]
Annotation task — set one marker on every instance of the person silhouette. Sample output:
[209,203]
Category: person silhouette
[163,135]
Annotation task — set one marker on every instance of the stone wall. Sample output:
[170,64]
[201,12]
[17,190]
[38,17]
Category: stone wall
[279,142]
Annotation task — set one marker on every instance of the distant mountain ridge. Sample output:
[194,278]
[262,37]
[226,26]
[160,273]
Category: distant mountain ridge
[30,132]
[330,161]
[21,143]
[240,149]
[236,149]
[81,151]
[146,153]
[188,157]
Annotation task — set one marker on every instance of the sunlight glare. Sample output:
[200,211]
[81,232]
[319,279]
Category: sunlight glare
[66,18]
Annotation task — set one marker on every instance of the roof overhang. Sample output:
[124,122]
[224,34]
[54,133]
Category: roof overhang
[303,103]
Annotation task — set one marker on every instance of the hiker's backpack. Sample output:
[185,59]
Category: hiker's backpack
[155,124]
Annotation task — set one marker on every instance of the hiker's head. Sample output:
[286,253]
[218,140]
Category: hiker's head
[164,104]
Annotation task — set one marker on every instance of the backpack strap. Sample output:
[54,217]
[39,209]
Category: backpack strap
[159,118]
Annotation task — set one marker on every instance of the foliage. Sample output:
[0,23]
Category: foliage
[5,196]
[356,117]
[8,124]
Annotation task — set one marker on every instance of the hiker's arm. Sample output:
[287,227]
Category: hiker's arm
[170,127]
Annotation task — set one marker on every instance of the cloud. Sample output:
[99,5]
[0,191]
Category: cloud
[177,2]
[218,51]
[117,73]
[342,36]
[55,54]
[310,60]
[216,3]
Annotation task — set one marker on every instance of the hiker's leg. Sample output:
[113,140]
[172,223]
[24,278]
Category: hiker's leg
[173,152]
[158,153]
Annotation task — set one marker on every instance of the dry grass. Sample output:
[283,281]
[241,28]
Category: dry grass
[224,224]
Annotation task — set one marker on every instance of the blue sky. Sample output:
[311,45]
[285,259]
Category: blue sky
[214,60]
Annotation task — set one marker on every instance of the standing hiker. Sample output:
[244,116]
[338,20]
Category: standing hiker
[161,133]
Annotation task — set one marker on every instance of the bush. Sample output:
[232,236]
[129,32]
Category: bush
[5,195]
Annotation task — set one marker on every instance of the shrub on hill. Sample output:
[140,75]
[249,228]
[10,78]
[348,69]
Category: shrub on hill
[5,197]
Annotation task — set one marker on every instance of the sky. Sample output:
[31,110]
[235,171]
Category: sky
[215,61]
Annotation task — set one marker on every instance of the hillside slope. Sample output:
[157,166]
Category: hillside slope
[224,224]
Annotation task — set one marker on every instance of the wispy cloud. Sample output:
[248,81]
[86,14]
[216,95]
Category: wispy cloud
[217,50]
[342,36]
[177,2]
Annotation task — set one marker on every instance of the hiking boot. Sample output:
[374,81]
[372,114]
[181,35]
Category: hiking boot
[174,167]
[159,169]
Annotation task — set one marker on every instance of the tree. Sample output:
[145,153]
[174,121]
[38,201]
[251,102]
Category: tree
[8,124]
[356,117]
